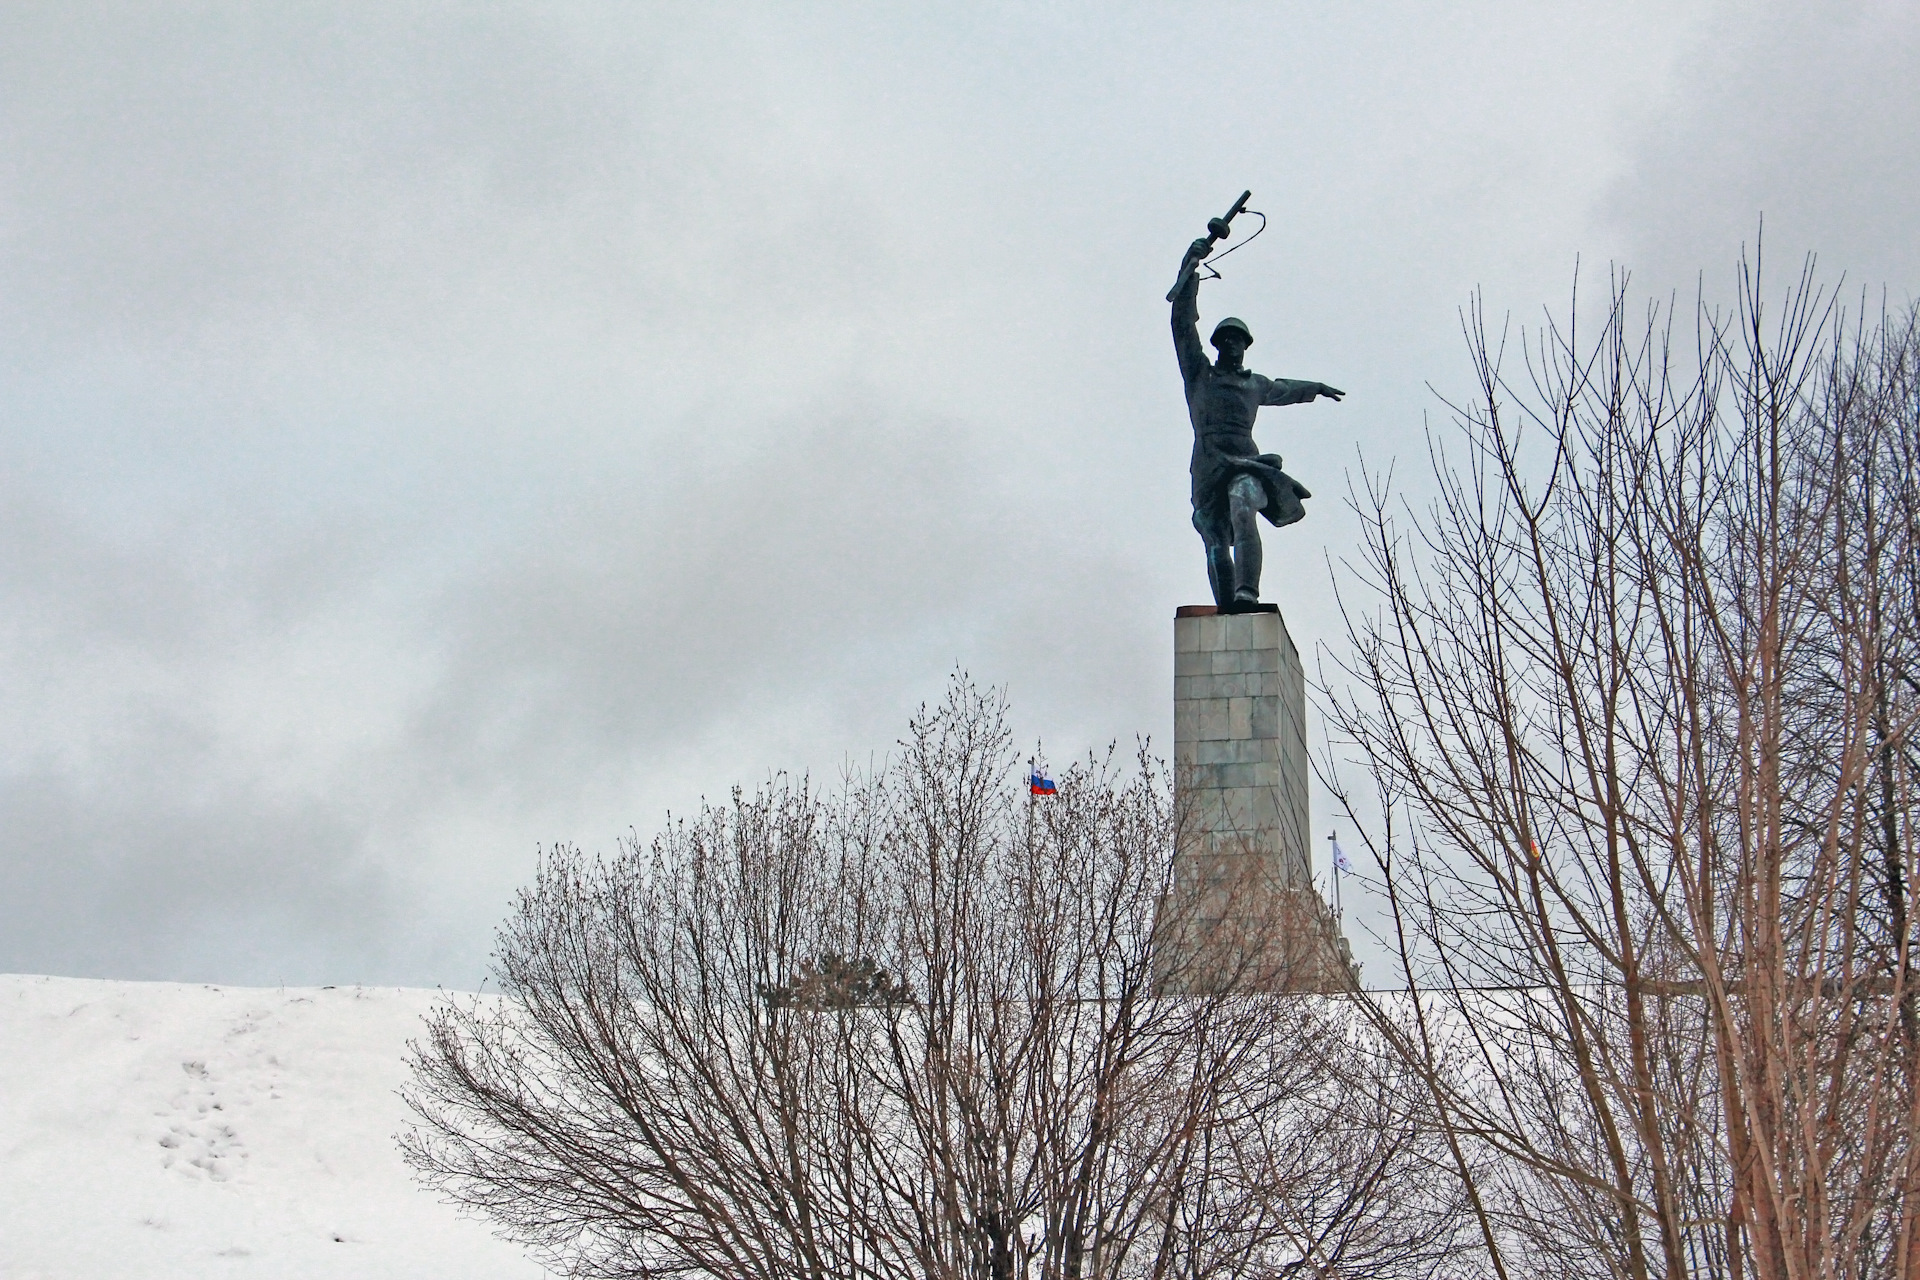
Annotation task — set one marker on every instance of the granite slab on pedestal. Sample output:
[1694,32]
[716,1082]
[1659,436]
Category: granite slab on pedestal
[1240,742]
[1242,909]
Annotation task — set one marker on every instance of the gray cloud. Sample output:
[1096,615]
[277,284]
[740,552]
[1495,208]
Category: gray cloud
[432,432]
[1803,114]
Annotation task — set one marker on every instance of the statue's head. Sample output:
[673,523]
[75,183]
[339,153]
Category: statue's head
[1231,338]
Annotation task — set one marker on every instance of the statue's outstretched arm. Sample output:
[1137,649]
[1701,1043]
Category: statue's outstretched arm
[1295,391]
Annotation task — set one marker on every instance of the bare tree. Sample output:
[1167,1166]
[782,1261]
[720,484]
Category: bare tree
[1636,698]
[911,1030]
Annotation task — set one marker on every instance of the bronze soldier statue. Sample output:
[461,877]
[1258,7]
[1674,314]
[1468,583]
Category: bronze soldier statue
[1233,482]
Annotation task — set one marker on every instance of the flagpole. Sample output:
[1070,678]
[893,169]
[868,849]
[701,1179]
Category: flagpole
[1333,861]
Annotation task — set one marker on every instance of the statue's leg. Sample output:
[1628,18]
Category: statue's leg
[1216,531]
[1220,575]
[1245,498]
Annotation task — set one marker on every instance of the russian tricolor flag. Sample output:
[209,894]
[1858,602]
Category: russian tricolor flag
[1039,785]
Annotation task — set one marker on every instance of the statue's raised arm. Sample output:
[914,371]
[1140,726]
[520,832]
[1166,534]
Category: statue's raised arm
[1186,315]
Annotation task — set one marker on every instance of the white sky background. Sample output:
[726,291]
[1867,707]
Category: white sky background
[431,432]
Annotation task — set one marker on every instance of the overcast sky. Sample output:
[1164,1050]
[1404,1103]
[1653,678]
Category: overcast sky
[432,432]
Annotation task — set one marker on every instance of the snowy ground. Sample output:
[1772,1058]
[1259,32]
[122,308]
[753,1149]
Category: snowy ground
[161,1130]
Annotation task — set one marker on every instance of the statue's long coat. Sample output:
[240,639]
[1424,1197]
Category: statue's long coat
[1221,404]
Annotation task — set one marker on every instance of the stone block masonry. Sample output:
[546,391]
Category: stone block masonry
[1242,909]
[1240,744]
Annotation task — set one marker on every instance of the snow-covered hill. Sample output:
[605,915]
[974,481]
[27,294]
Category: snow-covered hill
[167,1130]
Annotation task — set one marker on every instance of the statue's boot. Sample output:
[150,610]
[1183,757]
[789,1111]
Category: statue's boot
[1220,576]
[1246,569]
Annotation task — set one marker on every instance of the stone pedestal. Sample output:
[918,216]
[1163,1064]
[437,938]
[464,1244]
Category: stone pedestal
[1240,743]
[1243,910]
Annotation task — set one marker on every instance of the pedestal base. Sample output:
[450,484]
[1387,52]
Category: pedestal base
[1242,909]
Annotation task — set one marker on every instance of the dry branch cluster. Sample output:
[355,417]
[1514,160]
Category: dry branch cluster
[910,1030]
[1637,699]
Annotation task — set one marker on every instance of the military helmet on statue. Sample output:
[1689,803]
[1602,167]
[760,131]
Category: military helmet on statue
[1234,323]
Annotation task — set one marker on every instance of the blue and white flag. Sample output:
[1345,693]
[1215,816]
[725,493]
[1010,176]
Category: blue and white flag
[1340,862]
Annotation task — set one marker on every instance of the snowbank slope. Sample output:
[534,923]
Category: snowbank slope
[154,1130]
